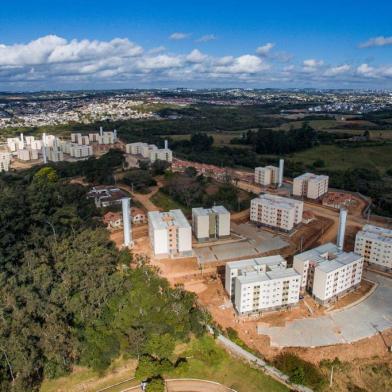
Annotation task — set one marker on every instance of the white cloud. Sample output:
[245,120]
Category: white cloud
[246,64]
[313,63]
[264,49]
[341,69]
[377,41]
[206,38]
[196,56]
[366,70]
[179,36]
[50,60]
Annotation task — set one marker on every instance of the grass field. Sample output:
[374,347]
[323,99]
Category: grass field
[206,360]
[340,158]
[165,202]
[220,138]
[211,362]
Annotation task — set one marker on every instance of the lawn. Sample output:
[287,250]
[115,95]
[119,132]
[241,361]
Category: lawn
[205,360]
[165,202]
[340,158]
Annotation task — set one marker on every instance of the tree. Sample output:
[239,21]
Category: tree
[156,385]
[45,175]
[160,346]
[159,167]
[190,171]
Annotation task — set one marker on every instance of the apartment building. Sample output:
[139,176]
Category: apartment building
[210,222]
[276,211]
[142,149]
[262,284]
[375,245]
[327,272]
[310,185]
[162,154]
[5,160]
[267,175]
[170,233]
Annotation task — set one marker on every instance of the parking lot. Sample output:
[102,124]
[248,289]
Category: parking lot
[367,318]
[255,241]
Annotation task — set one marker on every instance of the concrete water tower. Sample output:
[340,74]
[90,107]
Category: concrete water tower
[341,228]
[280,174]
[126,211]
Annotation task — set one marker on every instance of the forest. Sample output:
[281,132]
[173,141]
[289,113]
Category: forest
[68,296]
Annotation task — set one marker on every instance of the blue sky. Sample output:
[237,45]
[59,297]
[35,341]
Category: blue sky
[125,44]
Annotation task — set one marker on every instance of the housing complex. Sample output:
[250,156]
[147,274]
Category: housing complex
[276,211]
[267,175]
[150,151]
[310,185]
[106,196]
[170,233]
[262,284]
[5,159]
[327,272]
[210,222]
[375,245]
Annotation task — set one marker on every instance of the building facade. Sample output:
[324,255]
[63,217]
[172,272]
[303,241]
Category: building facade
[310,185]
[267,175]
[327,272]
[261,284]
[374,244]
[170,233]
[210,222]
[276,211]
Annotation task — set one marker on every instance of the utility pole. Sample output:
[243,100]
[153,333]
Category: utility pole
[331,378]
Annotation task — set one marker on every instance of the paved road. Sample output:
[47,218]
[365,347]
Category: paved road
[346,326]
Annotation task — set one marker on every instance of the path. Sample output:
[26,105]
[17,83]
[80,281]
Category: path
[270,370]
[370,316]
[144,199]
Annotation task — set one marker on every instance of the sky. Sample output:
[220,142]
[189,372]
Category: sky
[58,44]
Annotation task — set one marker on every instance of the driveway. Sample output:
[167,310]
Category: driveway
[363,320]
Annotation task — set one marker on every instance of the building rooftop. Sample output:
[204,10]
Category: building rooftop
[260,276]
[376,233]
[269,261]
[328,257]
[278,201]
[200,211]
[163,220]
[311,176]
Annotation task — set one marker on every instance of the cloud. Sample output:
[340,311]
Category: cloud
[264,49]
[246,64]
[377,41]
[196,56]
[334,71]
[313,63]
[179,36]
[52,61]
[206,38]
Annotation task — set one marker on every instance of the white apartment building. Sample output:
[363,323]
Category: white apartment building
[54,154]
[5,160]
[276,211]
[262,284]
[266,175]
[78,138]
[374,244]
[139,148]
[170,233]
[310,185]
[149,151]
[162,154]
[80,151]
[327,272]
[210,222]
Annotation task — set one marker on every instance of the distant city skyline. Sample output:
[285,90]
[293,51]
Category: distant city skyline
[46,45]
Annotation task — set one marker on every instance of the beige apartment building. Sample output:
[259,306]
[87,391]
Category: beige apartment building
[210,222]
[276,211]
[327,272]
[375,245]
[310,185]
[267,175]
[262,284]
[170,233]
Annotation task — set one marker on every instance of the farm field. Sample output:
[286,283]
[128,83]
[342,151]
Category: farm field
[340,158]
